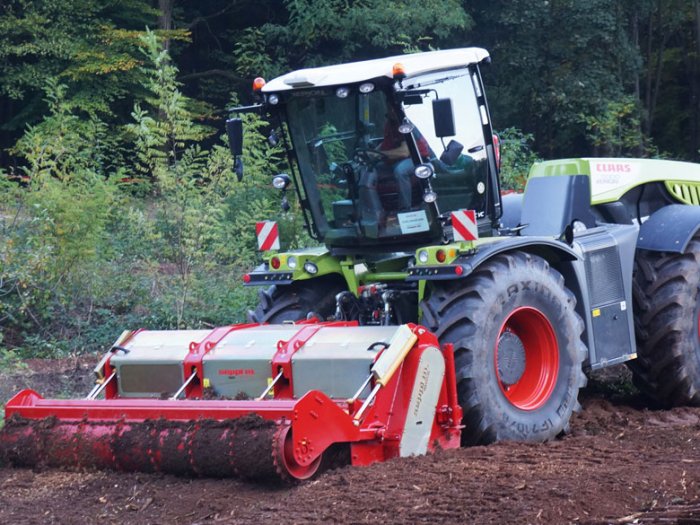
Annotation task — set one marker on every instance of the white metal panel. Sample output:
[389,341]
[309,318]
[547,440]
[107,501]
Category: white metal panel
[252,342]
[414,64]
[423,405]
[159,345]
[393,356]
[337,360]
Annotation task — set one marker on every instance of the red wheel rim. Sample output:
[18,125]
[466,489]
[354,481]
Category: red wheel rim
[288,462]
[536,384]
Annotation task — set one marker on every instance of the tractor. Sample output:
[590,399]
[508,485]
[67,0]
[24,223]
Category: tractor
[435,312]
[596,263]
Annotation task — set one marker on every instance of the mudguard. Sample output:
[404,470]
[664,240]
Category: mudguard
[669,229]
[512,205]
[546,247]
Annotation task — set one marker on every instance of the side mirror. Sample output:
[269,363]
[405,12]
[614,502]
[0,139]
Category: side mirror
[234,130]
[452,152]
[443,118]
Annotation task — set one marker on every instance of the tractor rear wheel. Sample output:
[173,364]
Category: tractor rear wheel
[293,302]
[518,348]
[667,318]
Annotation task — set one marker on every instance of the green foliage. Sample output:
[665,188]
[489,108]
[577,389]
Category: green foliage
[617,131]
[316,32]
[83,255]
[87,43]
[556,61]
[53,230]
[517,156]
[9,361]
[130,214]
[193,185]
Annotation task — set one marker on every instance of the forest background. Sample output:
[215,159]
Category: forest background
[118,205]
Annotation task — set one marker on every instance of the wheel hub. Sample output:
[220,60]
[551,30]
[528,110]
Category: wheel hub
[511,358]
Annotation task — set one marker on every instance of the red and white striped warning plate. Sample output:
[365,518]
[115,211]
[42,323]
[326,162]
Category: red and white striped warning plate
[268,235]
[464,225]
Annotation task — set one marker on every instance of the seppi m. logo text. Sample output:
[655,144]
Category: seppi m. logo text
[234,372]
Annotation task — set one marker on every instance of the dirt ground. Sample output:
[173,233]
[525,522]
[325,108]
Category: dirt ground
[621,464]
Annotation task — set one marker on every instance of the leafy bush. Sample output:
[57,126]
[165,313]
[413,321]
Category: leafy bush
[517,157]
[87,250]
[617,131]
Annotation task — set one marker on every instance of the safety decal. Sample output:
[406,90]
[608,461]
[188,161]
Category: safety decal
[413,222]
[464,225]
[268,235]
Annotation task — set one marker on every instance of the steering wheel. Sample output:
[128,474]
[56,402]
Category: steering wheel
[370,156]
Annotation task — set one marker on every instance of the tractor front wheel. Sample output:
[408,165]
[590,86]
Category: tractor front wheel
[294,302]
[518,348]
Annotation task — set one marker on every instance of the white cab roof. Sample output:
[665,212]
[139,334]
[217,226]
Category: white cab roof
[414,64]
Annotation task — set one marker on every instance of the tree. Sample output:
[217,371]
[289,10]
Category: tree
[91,46]
[318,32]
[554,61]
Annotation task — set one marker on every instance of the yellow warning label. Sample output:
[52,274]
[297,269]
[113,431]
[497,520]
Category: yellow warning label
[596,312]
[206,383]
[269,381]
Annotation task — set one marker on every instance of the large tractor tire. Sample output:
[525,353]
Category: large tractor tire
[293,302]
[518,348]
[667,315]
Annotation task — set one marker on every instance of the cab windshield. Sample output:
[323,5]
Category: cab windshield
[357,168]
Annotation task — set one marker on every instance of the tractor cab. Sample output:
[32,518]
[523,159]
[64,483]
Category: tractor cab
[386,149]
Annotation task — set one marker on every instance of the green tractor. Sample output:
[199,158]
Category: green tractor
[396,168]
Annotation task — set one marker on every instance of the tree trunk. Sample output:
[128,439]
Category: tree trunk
[647,90]
[640,150]
[653,94]
[165,20]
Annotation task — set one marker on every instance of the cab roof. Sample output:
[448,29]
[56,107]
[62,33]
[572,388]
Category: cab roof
[414,64]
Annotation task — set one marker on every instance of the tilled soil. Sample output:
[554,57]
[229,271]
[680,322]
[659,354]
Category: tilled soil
[621,463]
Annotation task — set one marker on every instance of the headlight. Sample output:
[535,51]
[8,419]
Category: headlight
[281,181]
[424,171]
[292,262]
[406,126]
[273,99]
[423,256]
[429,197]
[367,87]
[342,92]
[310,268]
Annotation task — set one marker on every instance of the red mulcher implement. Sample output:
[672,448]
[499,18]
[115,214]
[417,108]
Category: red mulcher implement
[253,401]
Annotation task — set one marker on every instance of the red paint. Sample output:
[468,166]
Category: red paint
[464,225]
[268,238]
[537,383]
[613,167]
[237,372]
[193,361]
[307,425]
